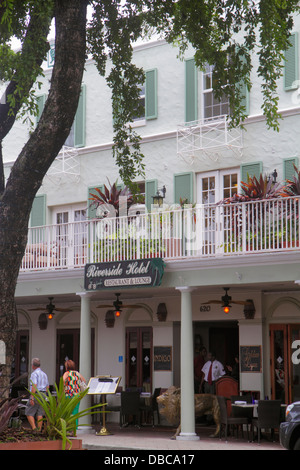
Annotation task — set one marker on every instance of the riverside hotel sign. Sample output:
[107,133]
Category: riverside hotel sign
[130,273]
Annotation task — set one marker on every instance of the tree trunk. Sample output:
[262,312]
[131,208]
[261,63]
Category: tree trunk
[35,159]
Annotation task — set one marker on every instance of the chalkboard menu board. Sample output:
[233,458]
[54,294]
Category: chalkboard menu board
[162,357]
[250,358]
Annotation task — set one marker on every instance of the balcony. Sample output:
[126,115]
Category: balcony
[206,137]
[201,232]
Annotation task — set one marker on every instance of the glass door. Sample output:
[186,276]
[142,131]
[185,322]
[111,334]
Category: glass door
[285,362]
[211,188]
[279,363]
[294,347]
[70,235]
[139,358]
[68,347]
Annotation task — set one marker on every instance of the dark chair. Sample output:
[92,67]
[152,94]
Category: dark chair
[230,420]
[110,407]
[268,417]
[153,407]
[130,406]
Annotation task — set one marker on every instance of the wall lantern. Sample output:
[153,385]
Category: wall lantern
[249,310]
[159,196]
[110,319]
[43,321]
[162,312]
[274,176]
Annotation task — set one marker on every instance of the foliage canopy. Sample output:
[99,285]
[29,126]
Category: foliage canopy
[229,35]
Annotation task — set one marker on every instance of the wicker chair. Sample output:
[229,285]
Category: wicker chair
[227,421]
[268,417]
[130,406]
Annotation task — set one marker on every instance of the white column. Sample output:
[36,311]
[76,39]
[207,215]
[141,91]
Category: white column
[85,361]
[187,368]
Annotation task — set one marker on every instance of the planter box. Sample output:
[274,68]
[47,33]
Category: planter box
[40,445]
[173,247]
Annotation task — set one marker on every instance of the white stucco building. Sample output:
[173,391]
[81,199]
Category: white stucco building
[189,150]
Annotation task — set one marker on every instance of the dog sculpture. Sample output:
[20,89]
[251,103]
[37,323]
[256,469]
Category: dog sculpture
[169,407]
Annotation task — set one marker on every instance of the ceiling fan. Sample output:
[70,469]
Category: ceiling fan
[51,309]
[118,306]
[226,300]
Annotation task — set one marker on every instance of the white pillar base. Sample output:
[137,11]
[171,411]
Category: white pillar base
[186,436]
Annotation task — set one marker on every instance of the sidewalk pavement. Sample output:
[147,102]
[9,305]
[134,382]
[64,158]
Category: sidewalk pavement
[158,439]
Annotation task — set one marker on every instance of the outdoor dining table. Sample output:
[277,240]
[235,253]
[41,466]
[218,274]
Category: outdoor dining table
[254,406]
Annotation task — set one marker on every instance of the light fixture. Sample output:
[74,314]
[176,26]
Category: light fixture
[162,312]
[110,318]
[274,176]
[43,321]
[118,306]
[249,310]
[158,198]
[226,308]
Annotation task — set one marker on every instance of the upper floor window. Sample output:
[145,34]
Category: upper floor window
[212,106]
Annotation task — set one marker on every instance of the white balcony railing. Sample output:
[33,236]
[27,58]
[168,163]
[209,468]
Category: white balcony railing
[206,137]
[203,231]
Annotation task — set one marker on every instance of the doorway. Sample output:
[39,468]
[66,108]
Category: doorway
[71,234]
[222,338]
[139,348]
[213,187]
[285,362]
[67,347]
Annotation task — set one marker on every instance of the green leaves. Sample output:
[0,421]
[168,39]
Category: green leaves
[58,412]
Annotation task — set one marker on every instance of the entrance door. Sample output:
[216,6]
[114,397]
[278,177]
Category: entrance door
[67,347]
[285,362]
[139,357]
[71,235]
[211,188]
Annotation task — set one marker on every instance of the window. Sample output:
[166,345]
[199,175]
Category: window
[142,97]
[213,107]
[148,98]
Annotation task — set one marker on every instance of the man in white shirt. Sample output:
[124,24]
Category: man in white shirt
[38,381]
[212,371]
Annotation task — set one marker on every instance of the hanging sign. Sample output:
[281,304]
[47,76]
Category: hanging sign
[130,273]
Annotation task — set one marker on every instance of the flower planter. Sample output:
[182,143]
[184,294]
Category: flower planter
[290,244]
[40,445]
[173,247]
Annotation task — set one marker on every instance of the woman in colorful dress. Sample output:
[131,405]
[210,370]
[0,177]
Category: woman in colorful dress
[72,379]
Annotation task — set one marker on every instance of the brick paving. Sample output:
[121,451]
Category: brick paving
[159,439]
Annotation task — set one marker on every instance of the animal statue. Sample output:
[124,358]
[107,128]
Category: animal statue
[169,407]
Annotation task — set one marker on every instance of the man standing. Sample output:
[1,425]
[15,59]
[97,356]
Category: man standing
[38,381]
[212,371]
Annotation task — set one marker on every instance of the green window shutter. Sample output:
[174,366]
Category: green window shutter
[191,91]
[40,106]
[184,187]
[151,94]
[79,122]
[291,74]
[245,101]
[151,187]
[288,168]
[250,169]
[91,210]
[38,211]
[245,95]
